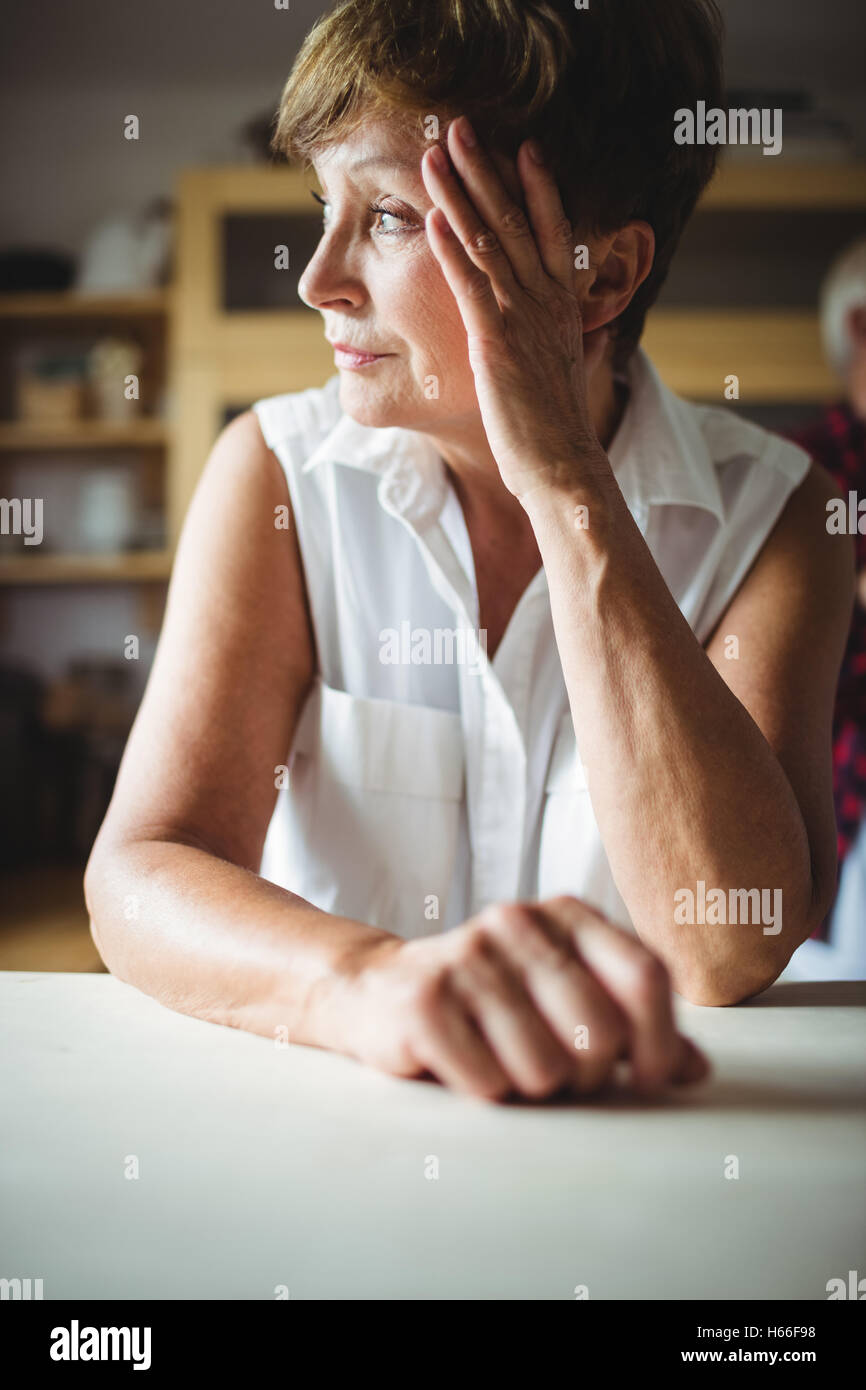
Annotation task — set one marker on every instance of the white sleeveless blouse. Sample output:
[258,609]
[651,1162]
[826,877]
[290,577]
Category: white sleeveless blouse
[424,780]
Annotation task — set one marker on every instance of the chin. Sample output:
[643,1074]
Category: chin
[371,404]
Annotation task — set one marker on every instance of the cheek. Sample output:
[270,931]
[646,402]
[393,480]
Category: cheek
[431,325]
[416,312]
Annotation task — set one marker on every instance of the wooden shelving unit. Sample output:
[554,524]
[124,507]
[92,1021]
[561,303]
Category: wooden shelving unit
[130,567]
[777,353]
[222,360]
[83,434]
[764,183]
[60,314]
[227,358]
[71,304]
[45,923]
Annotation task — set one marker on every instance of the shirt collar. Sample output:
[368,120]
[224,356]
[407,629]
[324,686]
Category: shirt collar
[411,472]
[659,455]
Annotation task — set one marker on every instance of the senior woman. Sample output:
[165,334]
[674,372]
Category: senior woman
[493,698]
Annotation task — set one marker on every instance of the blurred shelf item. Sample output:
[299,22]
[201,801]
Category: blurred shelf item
[69,304]
[137,567]
[83,434]
[775,354]
[767,183]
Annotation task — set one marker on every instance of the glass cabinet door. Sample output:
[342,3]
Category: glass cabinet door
[263,257]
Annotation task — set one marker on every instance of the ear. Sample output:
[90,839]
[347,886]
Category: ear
[621,263]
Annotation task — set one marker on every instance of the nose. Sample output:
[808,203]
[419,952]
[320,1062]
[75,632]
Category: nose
[328,280]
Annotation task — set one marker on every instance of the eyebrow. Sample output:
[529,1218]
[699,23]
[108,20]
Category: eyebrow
[389,161]
[385,161]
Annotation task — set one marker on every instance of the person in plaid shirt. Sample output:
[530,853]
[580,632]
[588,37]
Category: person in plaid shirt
[838,441]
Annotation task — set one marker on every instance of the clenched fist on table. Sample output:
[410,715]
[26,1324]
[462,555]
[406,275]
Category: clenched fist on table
[525,998]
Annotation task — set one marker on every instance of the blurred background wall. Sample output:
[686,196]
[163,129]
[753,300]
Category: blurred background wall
[136,258]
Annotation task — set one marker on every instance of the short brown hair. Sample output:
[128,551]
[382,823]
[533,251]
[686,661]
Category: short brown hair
[598,87]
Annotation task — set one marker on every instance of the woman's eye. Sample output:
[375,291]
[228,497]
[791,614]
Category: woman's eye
[385,223]
[391,222]
[326,208]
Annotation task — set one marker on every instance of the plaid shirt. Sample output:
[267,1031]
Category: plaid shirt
[838,441]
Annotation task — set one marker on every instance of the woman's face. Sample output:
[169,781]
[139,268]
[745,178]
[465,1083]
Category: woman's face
[379,288]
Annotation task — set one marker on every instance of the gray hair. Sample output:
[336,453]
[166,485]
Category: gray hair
[843,289]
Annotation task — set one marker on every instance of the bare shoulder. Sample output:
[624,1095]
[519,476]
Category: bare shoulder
[802,527]
[805,566]
[791,614]
[241,454]
[243,435]
[230,530]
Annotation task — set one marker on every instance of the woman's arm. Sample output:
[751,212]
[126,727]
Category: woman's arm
[703,768]
[178,909]
[176,905]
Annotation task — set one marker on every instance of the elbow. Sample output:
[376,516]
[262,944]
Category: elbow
[723,992]
[100,910]
[724,982]
[98,944]
[736,970]
[92,878]
[89,883]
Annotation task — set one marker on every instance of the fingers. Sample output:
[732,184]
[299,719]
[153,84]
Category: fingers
[528,997]
[520,231]
[490,223]
[471,287]
[694,1066]
[640,984]
[599,990]
[502,238]
[482,246]
[517,1032]
[448,1044]
[554,234]
[591,1029]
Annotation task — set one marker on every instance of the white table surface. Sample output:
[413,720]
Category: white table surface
[262,1166]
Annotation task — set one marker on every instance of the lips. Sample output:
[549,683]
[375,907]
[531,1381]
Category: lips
[351,347]
[347,356]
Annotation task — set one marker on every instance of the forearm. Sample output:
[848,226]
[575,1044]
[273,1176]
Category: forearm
[684,786]
[214,940]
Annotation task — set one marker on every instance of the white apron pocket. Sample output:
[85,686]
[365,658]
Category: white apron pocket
[367,827]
